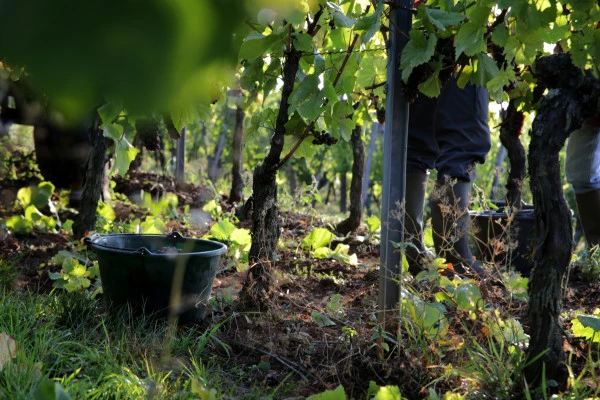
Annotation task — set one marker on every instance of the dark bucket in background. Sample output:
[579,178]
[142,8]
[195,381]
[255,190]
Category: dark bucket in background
[148,272]
[493,236]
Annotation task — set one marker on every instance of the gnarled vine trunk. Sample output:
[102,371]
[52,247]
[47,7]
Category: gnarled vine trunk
[573,98]
[510,131]
[265,219]
[92,187]
[351,223]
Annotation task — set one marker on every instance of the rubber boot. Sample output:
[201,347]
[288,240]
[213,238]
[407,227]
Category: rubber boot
[588,205]
[450,223]
[416,187]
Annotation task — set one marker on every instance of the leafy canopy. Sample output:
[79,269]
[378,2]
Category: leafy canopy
[151,55]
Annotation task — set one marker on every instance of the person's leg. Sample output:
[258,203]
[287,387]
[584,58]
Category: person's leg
[463,138]
[421,155]
[582,169]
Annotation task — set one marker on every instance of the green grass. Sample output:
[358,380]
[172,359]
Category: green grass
[70,339]
[450,339]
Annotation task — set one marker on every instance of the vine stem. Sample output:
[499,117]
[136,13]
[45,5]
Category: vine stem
[311,125]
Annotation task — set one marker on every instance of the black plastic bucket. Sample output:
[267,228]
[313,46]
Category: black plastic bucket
[502,242]
[158,273]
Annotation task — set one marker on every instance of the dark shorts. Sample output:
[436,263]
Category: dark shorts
[450,133]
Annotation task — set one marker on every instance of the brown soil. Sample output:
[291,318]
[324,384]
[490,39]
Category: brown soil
[284,338]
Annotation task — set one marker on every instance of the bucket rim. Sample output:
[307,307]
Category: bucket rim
[523,214]
[91,241]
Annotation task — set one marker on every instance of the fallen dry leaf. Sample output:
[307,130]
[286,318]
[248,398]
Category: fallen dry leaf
[8,350]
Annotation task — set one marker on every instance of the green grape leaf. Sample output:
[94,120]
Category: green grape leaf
[479,14]
[270,77]
[311,108]
[253,73]
[469,40]
[372,71]
[468,296]
[113,131]
[371,24]
[525,47]
[19,225]
[417,51]
[24,196]
[388,393]
[125,153]
[39,195]
[486,70]
[496,85]
[346,126]
[33,214]
[329,93]
[54,275]
[337,394]
[94,270]
[318,237]
[322,252]
[340,38]
[340,253]
[590,321]
[242,238]
[222,230]
[306,148]
[432,86]
[106,211]
[70,265]
[306,90]
[184,116]
[303,42]
[500,35]
[373,223]
[256,44]
[78,271]
[153,226]
[109,112]
[443,19]
[340,18]
[556,34]
[48,389]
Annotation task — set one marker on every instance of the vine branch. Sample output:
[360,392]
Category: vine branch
[311,125]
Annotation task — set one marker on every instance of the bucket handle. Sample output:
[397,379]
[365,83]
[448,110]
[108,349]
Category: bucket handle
[176,235]
[89,239]
[143,251]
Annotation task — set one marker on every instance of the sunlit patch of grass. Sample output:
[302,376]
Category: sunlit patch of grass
[72,340]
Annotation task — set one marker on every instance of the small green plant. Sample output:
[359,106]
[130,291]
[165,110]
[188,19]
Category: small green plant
[317,244]
[381,338]
[335,306]
[587,326]
[337,394]
[590,263]
[389,392]
[165,206]
[428,318]
[516,285]
[77,273]
[31,200]
[238,240]
[373,224]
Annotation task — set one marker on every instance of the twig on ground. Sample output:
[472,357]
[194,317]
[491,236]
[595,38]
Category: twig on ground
[287,363]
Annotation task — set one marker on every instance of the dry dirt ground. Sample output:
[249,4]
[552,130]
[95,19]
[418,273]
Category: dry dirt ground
[283,341]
